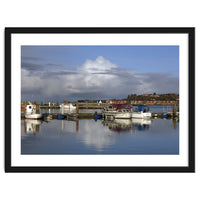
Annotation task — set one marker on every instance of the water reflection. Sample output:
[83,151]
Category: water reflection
[93,136]
[63,124]
[175,122]
[141,124]
[119,136]
[118,125]
[32,126]
[125,125]
[67,110]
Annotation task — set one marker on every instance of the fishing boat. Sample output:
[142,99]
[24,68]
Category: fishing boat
[140,111]
[122,114]
[68,106]
[32,111]
[117,111]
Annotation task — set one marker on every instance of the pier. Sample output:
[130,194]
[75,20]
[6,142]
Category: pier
[73,116]
[80,105]
[67,116]
[88,105]
[50,107]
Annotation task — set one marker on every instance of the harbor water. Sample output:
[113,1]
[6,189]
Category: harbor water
[89,136]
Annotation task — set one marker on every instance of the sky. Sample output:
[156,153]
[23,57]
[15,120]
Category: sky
[71,73]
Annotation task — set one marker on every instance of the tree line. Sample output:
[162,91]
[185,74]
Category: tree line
[154,96]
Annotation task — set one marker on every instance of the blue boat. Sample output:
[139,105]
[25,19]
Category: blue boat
[60,117]
[164,116]
[96,116]
[140,111]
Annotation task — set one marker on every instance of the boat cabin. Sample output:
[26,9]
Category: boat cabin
[140,108]
[29,109]
[120,107]
[32,108]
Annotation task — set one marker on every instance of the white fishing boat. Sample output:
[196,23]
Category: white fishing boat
[140,111]
[117,111]
[123,114]
[32,111]
[68,106]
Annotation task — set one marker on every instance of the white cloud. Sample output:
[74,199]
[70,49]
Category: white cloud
[95,78]
[99,74]
[100,65]
[29,81]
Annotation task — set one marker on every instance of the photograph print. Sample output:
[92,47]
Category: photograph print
[114,101]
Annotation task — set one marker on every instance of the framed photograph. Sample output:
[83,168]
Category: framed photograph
[100,99]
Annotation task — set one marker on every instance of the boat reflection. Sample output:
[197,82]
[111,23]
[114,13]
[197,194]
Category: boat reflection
[118,125]
[141,124]
[67,110]
[32,126]
[125,125]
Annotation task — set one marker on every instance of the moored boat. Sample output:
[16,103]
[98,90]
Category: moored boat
[117,111]
[97,116]
[164,115]
[68,106]
[32,111]
[60,117]
[140,111]
[123,114]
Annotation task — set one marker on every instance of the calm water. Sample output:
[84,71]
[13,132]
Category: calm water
[136,136]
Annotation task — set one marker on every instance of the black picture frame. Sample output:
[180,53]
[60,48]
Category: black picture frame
[190,31]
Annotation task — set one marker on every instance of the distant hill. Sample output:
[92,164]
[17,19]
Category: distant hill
[153,97]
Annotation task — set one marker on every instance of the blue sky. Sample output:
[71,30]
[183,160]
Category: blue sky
[97,72]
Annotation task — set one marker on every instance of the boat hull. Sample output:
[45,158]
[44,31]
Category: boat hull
[141,115]
[67,106]
[33,116]
[118,115]
[60,117]
[122,115]
[163,116]
[97,116]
